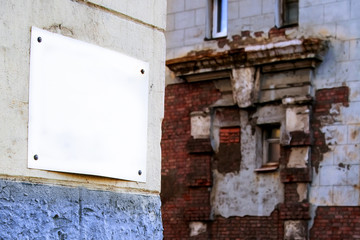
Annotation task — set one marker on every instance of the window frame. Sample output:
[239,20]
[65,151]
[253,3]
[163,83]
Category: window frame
[263,142]
[281,11]
[216,19]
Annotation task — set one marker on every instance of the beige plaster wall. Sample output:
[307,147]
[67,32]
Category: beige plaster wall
[135,28]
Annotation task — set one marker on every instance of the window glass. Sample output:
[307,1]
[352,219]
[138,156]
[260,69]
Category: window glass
[274,152]
[291,10]
[287,12]
[271,144]
[219,18]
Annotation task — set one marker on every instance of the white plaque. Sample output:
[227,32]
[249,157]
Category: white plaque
[88,109]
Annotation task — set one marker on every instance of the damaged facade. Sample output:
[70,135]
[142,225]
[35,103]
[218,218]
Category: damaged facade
[260,135]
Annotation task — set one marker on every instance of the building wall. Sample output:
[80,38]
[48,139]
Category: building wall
[45,204]
[327,144]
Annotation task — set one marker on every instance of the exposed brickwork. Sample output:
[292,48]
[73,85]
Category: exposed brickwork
[336,223]
[299,138]
[230,135]
[247,228]
[186,168]
[188,164]
[197,204]
[294,211]
[199,145]
[291,193]
[277,32]
[199,170]
[228,158]
[296,175]
[324,99]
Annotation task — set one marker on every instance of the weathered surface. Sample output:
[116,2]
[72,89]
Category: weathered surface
[200,124]
[299,157]
[197,228]
[336,158]
[295,230]
[298,119]
[35,211]
[261,193]
[243,83]
[319,132]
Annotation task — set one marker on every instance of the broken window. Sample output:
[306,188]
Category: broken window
[216,19]
[287,12]
[270,135]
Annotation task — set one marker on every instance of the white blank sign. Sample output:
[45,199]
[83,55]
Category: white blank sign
[88,109]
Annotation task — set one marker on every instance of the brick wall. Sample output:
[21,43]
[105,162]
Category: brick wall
[187,165]
[246,228]
[336,223]
[186,173]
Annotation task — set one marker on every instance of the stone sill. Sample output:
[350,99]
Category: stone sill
[269,167]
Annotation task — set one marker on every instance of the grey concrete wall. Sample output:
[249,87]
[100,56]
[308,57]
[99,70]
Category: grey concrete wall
[37,211]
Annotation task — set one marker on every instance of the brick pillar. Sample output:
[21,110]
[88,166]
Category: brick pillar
[296,174]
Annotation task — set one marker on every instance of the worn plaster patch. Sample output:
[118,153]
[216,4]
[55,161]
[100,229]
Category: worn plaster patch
[298,157]
[243,85]
[302,191]
[197,228]
[258,197]
[200,124]
[295,230]
[297,119]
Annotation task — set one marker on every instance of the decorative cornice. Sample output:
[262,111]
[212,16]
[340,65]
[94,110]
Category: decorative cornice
[290,54]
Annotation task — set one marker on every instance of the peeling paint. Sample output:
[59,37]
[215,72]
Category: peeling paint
[60,29]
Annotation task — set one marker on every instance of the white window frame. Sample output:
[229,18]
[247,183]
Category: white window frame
[264,163]
[267,141]
[213,29]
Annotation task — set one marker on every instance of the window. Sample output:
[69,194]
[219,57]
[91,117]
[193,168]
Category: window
[287,12]
[270,148]
[216,19]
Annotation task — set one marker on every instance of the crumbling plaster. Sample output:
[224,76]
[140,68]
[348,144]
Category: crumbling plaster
[338,177]
[262,191]
[337,161]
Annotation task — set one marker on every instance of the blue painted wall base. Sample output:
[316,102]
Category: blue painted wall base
[35,211]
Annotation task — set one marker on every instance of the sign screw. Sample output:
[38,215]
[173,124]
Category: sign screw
[142,71]
[39,39]
[36,157]
[139,172]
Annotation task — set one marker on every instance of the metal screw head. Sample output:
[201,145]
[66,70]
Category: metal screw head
[142,71]
[39,39]
[36,157]
[139,172]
